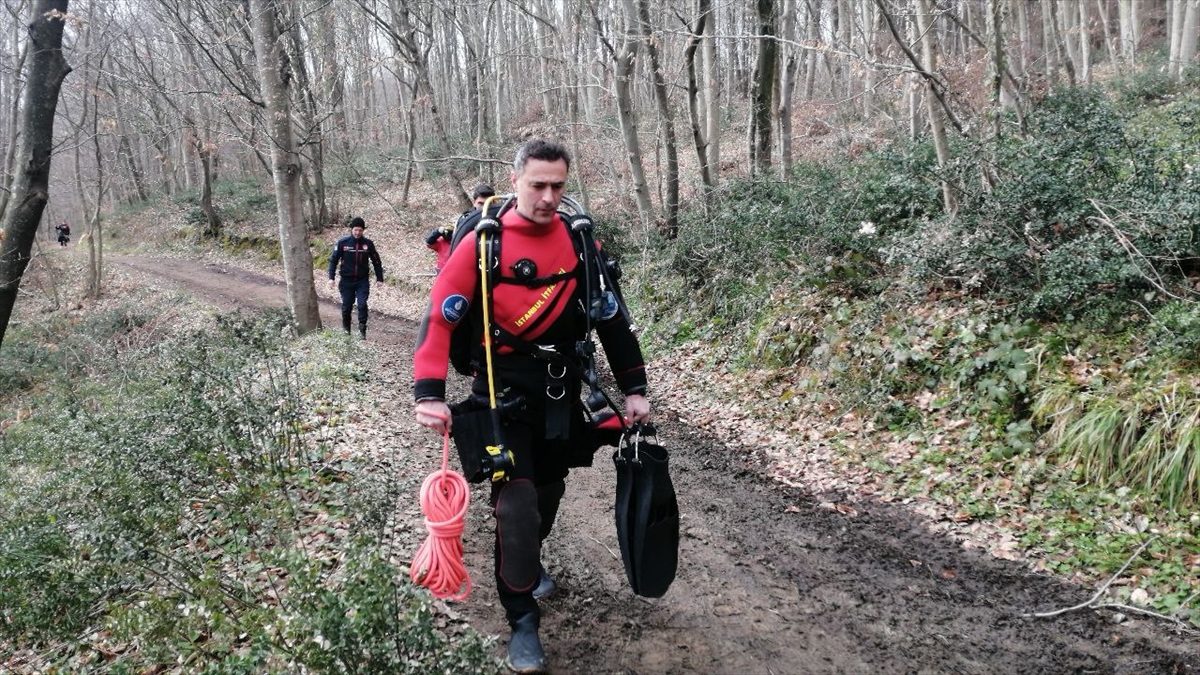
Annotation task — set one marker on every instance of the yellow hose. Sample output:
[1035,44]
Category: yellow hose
[483,284]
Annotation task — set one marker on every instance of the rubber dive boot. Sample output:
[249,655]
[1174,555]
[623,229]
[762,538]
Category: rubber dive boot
[362,331]
[545,585]
[525,653]
[346,322]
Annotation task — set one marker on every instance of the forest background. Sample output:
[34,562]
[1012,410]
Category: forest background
[963,233]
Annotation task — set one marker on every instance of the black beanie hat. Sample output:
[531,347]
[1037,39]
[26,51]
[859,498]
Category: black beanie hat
[483,190]
[357,222]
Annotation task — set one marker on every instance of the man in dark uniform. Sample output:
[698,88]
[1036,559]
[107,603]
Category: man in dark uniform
[545,310]
[64,233]
[357,253]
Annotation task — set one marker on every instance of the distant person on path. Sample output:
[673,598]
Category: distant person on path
[439,238]
[64,233]
[540,326]
[357,254]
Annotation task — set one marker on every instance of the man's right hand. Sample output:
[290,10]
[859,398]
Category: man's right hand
[435,415]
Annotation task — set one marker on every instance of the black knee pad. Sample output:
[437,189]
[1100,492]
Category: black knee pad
[518,548]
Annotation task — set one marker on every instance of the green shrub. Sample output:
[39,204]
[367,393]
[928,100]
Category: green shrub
[24,361]
[159,502]
[1175,331]
[1087,213]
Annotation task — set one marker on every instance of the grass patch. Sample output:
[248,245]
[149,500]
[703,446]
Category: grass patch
[177,509]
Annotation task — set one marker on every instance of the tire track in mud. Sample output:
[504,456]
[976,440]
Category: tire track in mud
[769,582]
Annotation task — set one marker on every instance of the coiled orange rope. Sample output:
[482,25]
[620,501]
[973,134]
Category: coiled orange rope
[438,564]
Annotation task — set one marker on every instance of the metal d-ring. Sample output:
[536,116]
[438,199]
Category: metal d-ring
[561,394]
[550,371]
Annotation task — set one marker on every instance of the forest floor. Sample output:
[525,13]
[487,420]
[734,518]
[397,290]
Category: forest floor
[772,578]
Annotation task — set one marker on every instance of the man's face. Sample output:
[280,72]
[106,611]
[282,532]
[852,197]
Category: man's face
[356,232]
[479,202]
[540,187]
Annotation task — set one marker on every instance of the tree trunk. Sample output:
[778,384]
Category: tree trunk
[1023,44]
[95,237]
[313,135]
[764,85]
[331,77]
[1049,43]
[712,93]
[125,151]
[936,125]
[1085,43]
[212,227]
[31,184]
[1187,44]
[996,32]
[285,167]
[671,202]
[915,87]
[12,135]
[1113,56]
[626,112]
[693,97]
[1176,31]
[1125,15]
[1055,45]
[788,88]
[811,32]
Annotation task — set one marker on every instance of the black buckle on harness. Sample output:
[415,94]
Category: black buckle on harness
[487,224]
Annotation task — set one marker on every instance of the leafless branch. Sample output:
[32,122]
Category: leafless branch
[1091,602]
[1139,260]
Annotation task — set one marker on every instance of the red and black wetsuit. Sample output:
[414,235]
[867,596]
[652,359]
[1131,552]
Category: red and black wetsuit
[545,315]
[438,241]
[549,314]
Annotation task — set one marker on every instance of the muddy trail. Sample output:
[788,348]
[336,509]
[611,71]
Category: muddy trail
[769,582]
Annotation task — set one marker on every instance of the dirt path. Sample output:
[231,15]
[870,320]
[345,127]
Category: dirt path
[769,582]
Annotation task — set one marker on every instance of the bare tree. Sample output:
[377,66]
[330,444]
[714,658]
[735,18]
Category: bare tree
[712,93]
[410,35]
[312,136]
[790,69]
[10,98]
[1189,30]
[929,50]
[1127,16]
[285,165]
[671,203]
[695,113]
[626,111]
[764,84]
[31,185]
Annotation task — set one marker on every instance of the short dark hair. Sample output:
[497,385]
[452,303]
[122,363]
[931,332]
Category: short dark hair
[357,222]
[543,149]
[483,190]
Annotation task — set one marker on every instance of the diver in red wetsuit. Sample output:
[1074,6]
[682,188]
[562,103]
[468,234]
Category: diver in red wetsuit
[538,301]
[439,238]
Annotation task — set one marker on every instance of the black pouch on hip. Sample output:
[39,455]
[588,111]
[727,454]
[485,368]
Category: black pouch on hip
[475,439]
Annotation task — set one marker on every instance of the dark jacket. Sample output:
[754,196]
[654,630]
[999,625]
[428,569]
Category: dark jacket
[354,254]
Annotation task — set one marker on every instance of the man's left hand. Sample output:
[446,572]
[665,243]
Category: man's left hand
[637,409]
